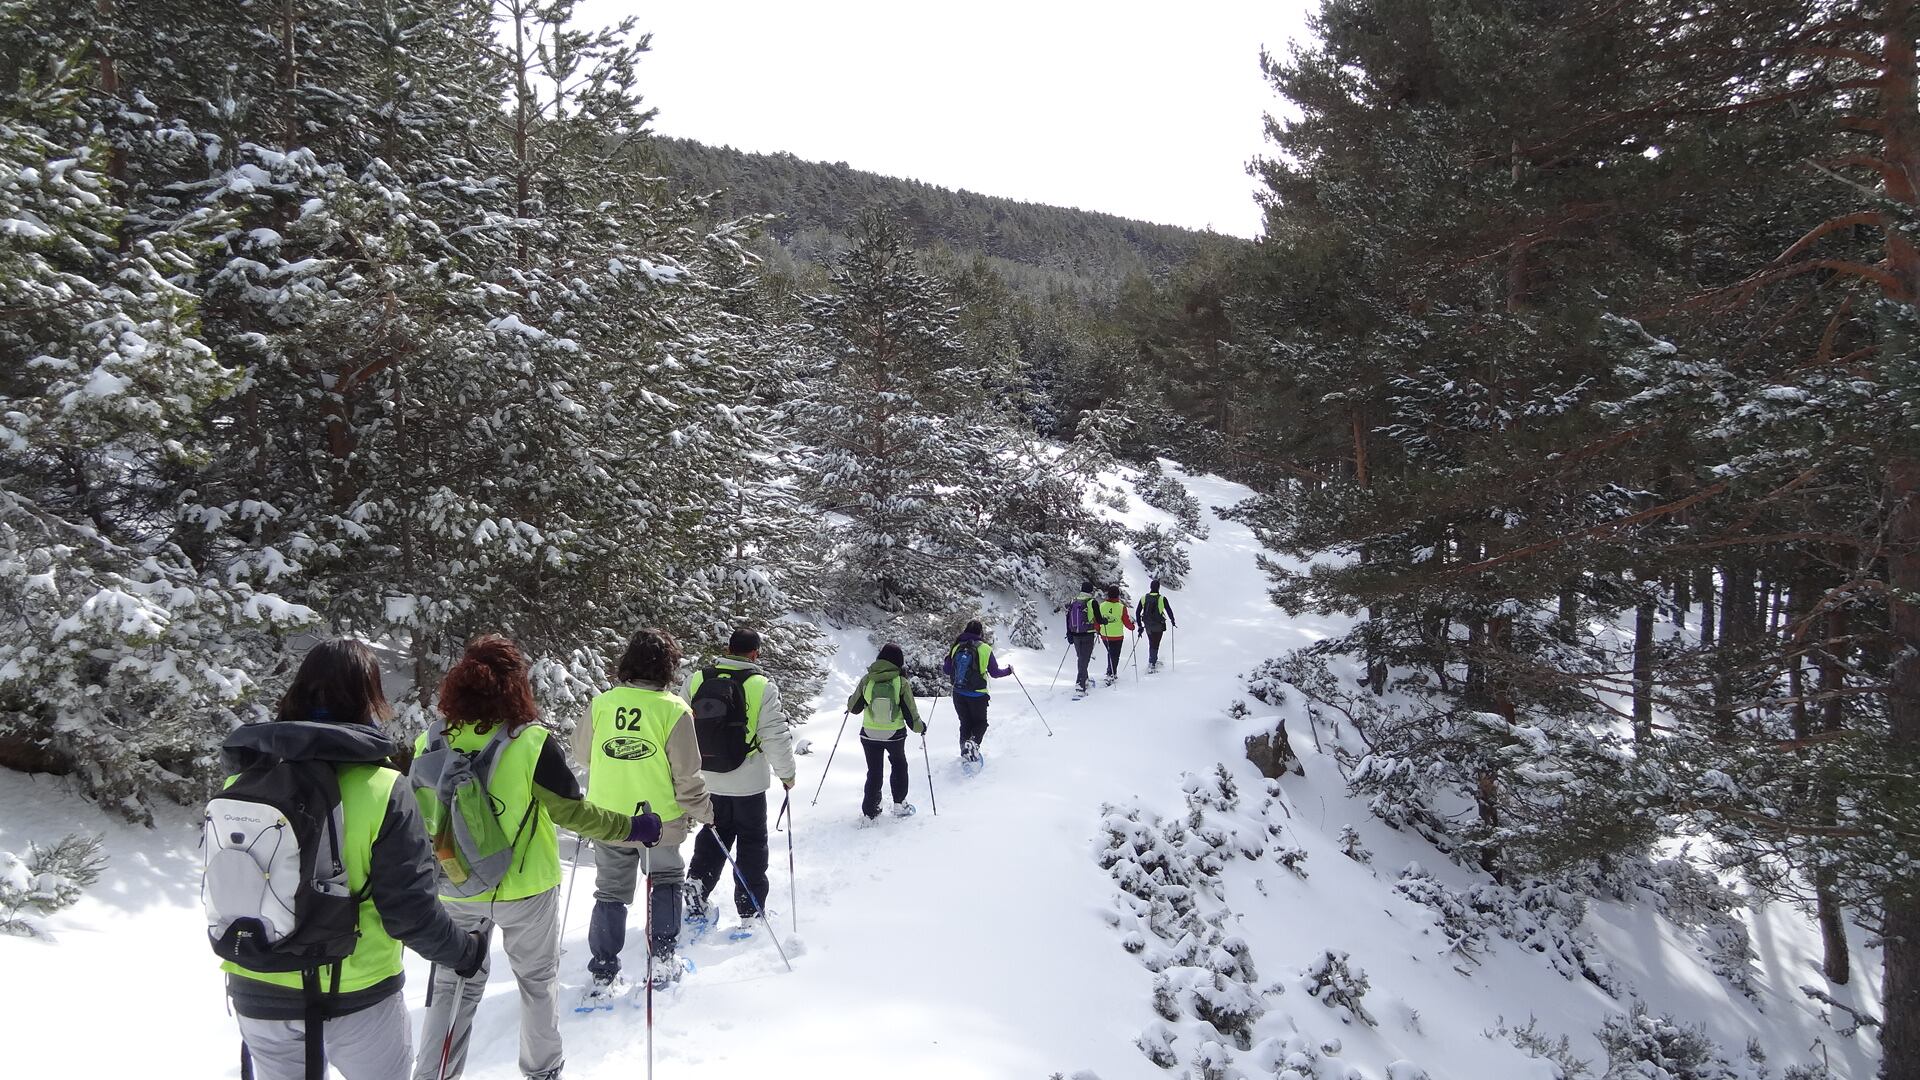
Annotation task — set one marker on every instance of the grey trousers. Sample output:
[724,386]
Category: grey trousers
[530,930]
[617,877]
[372,1044]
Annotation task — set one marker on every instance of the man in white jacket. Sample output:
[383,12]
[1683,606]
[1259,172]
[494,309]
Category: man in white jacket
[739,794]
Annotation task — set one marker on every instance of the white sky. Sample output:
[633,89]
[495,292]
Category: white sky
[1147,110]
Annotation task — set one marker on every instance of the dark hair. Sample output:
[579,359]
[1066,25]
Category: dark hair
[652,656]
[1154,585]
[892,654]
[1113,592]
[975,628]
[338,682]
[744,642]
[1086,586]
[489,686]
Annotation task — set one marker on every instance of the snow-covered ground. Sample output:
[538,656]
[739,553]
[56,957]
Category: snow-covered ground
[984,941]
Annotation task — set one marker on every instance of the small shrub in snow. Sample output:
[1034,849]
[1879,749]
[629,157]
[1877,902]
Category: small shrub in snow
[1210,1061]
[1538,916]
[1028,632]
[1640,1046]
[1533,1043]
[1166,494]
[1339,987]
[1406,1070]
[1157,1043]
[1807,1072]
[1293,858]
[1163,555]
[1352,848]
[1238,710]
[46,880]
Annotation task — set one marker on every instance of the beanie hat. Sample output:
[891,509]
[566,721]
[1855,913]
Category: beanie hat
[892,654]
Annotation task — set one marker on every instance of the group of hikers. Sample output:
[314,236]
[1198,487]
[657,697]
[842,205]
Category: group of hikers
[322,861]
[1109,620]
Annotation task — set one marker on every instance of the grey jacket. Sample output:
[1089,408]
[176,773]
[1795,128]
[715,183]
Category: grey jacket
[683,757]
[775,733]
[403,882]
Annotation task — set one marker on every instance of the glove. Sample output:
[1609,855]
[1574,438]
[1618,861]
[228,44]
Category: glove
[787,782]
[476,954]
[1009,671]
[919,726]
[645,829]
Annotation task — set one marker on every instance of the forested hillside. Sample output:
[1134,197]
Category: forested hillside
[815,206]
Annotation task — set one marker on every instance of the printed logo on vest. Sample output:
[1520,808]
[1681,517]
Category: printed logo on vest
[629,748]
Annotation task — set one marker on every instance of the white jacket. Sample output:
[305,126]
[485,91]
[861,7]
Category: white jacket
[775,756]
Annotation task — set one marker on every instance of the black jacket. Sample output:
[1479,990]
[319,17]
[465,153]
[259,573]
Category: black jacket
[402,878]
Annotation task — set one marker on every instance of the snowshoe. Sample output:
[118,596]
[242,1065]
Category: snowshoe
[903,809]
[866,820]
[749,924]
[1111,679]
[667,970]
[602,993]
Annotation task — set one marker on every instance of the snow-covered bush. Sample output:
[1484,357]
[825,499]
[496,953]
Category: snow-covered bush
[1157,1043]
[1641,1046]
[46,880]
[1539,916]
[1558,1053]
[1162,553]
[1339,986]
[1028,631]
[1167,494]
[1352,848]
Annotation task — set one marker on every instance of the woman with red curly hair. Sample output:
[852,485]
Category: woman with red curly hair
[486,702]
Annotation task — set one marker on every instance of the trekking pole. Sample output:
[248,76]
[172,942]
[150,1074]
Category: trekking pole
[1035,704]
[459,995]
[830,753]
[759,907]
[646,874]
[1133,657]
[928,758]
[1060,667]
[793,892]
[566,909]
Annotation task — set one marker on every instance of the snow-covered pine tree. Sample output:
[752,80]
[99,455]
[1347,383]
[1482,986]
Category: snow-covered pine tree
[125,655]
[899,448]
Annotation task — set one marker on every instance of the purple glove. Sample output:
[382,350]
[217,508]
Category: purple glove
[1009,671]
[645,830]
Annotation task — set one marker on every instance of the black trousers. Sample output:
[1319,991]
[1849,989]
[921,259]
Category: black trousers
[879,754]
[1153,645]
[973,718]
[1114,645]
[739,825]
[1083,651]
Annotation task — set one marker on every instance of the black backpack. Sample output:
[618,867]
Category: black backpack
[275,884]
[720,719]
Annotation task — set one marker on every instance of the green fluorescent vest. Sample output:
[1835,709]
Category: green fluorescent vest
[755,686]
[1113,619]
[364,791]
[899,720]
[536,848]
[629,761]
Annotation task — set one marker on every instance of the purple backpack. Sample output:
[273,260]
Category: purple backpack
[1080,617]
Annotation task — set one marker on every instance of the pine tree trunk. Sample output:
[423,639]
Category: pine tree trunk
[1682,600]
[1643,616]
[1703,584]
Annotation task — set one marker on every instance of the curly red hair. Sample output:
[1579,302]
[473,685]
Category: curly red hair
[489,686]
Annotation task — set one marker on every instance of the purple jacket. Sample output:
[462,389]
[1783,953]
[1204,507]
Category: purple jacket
[993,662]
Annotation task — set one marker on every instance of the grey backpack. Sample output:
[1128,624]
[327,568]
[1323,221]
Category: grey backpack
[461,815]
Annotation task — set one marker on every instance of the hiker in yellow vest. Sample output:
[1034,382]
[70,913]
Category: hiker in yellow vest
[640,749]
[486,701]
[331,714]
[884,701]
[1115,621]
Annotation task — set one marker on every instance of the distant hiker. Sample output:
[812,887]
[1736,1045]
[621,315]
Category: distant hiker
[490,722]
[884,702]
[968,664]
[744,743]
[1153,615]
[1083,625]
[1115,621]
[640,748]
[311,942]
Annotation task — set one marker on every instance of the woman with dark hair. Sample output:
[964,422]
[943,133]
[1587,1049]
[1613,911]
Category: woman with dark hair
[329,715]
[486,702]
[883,700]
[641,751]
[969,663]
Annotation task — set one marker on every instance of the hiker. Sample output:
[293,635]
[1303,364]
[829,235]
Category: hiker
[744,744]
[641,753]
[1153,615]
[488,716]
[1115,621]
[883,700]
[262,892]
[1083,622]
[968,664]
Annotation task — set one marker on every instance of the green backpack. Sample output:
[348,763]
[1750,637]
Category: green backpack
[473,851]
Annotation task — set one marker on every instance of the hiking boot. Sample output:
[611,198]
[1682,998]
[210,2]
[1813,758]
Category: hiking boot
[667,968]
[903,809]
[970,752]
[693,902]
